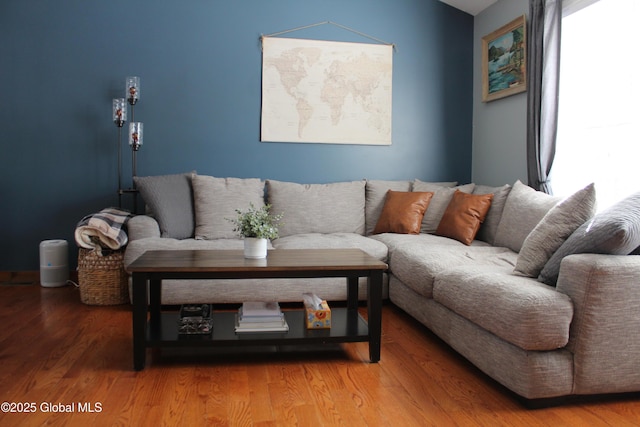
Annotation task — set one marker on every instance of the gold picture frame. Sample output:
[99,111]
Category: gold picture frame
[504,61]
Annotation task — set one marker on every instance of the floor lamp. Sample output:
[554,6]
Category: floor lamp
[135,136]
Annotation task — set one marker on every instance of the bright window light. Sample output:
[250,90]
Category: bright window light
[599,113]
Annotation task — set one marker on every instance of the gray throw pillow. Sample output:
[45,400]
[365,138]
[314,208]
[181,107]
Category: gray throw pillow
[169,200]
[216,201]
[554,228]
[318,208]
[614,231]
[523,210]
[489,227]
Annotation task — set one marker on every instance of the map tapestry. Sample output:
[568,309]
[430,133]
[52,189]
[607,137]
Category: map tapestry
[316,91]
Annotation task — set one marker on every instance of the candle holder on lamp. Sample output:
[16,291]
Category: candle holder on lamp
[119,118]
[135,142]
[132,91]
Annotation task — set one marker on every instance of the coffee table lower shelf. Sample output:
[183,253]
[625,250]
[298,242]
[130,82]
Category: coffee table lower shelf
[347,325]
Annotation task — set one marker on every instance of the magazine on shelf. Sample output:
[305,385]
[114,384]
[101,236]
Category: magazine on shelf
[252,318]
[260,308]
[280,326]
[261,325]
[260,317]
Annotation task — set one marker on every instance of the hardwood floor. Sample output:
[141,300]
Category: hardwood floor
[59,354]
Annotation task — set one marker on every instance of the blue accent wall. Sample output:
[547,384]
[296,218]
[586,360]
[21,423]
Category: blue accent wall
[63,61]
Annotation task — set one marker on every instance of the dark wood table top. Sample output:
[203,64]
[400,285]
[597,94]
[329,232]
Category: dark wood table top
[277,260]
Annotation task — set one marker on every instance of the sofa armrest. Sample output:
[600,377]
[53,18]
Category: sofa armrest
[142,226]
[604,338]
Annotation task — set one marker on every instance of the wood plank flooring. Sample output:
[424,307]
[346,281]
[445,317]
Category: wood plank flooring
[71,364]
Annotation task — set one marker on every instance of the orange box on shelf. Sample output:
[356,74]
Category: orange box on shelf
[318,318]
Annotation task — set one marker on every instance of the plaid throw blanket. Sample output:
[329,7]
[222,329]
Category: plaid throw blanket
[103,230]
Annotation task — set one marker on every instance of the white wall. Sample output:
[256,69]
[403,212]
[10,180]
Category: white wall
[499,127]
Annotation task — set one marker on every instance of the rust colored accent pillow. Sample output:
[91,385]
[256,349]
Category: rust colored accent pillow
[402,212]
[463,216]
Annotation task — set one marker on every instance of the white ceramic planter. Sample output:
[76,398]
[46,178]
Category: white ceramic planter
[255,248]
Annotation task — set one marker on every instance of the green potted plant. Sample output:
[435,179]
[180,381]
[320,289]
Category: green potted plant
[257,226]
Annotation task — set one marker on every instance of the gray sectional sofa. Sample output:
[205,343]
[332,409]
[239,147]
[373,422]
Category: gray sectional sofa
[544,297]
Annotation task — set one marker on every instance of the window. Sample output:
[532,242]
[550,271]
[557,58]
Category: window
[599,103]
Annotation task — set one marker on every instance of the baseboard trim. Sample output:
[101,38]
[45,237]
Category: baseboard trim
[28,277]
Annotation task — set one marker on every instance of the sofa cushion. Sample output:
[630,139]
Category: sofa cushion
[373,247]
[216,201]
[431,186]
[489,227]
[169,199]
[614,231]
[523,210]
[318,208]
[518,309]
[441,197]
[395,241]
[402,212]
[138,247]
[375,194]
[463,216]
[554,228]
[417,263]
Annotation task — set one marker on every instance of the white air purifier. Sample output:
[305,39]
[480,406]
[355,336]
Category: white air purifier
[54,263]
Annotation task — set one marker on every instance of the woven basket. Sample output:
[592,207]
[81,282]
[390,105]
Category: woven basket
[102,278]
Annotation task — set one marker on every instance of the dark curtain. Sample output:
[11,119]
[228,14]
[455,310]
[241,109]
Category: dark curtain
[543,71]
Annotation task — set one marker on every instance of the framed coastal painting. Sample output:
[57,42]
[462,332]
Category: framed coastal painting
[504,61]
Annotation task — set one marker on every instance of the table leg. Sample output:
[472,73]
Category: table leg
[374,314]
[155,297]
[139,320]
[352,293]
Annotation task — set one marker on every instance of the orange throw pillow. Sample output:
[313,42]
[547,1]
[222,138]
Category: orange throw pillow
[402,212]
[463,216]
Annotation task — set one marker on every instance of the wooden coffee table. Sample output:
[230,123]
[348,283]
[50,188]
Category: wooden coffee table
[154,328]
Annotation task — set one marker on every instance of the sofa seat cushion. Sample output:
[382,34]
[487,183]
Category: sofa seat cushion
[394,241]
[373,247]
[520,310]
[417,263]
[140,246]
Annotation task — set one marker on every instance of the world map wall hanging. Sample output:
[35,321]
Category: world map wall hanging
[316,91]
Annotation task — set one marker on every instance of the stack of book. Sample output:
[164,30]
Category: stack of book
[257,316]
